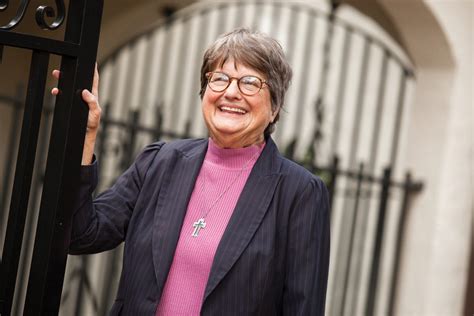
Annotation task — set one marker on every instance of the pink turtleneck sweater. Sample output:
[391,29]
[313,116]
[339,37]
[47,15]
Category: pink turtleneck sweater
[218,186]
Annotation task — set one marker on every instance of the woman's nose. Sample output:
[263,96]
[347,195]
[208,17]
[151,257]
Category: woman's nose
[233,90]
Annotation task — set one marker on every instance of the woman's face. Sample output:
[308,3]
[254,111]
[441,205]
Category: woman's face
[234,119]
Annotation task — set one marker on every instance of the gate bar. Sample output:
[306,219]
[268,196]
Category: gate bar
[22,181]
[38,43]
[63,164]
[370,303]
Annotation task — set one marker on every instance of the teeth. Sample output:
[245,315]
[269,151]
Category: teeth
[236,110]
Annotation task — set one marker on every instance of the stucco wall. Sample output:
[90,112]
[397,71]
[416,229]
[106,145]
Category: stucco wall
[439,37]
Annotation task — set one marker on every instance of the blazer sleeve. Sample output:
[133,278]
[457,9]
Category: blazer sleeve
[308,253]
[101,224]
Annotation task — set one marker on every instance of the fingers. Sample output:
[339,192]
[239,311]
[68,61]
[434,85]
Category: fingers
[56,73]
[93,120]
[95,82]
[90,99]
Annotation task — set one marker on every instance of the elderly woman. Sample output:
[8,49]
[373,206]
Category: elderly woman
[217,226]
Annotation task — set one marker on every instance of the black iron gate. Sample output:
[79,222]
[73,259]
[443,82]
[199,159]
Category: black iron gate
[78,53]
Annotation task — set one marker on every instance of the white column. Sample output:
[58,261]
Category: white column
[451,235]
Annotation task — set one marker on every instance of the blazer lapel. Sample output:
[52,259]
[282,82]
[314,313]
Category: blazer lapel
[176,191]
[248,214]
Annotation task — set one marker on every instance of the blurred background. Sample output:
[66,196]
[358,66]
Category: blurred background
[381,107]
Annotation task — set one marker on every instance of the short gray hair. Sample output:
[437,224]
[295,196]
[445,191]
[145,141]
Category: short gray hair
[257,51]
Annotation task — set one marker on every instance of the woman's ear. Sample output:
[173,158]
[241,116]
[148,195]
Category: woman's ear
[274,115]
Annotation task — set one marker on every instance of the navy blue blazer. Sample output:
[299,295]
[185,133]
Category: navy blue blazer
[272,259]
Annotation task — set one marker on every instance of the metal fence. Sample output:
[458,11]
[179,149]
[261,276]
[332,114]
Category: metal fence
[345,119]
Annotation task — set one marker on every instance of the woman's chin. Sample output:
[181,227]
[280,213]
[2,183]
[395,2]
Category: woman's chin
[227,132]
[229,126]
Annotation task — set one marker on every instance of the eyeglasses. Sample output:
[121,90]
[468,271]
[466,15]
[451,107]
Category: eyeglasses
[248,85]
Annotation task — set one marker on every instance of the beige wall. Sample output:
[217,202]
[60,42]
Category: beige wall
[451,242]
[132,19]
[438,36]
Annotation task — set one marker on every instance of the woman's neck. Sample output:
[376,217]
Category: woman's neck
[237,142]
[232,157]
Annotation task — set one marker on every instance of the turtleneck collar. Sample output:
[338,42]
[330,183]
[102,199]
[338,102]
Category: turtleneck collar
[232,158]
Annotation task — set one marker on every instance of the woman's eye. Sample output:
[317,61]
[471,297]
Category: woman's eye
[251,81]
[220,78]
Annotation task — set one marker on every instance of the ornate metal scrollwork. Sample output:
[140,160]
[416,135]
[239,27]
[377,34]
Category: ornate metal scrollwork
[19,13]
[49,12]
[3,4]
[41,12]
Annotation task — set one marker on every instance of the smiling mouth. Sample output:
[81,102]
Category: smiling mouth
[232,110]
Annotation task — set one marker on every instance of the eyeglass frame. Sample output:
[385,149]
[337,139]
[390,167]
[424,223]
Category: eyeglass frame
[210,73]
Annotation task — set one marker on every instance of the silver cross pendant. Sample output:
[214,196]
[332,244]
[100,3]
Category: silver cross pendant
[201,223]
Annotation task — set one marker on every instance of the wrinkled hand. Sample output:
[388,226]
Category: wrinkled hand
[93,120]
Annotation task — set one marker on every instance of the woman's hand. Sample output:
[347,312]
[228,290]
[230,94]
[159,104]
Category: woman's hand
[93,121]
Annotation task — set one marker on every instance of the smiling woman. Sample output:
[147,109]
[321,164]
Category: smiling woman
[223,225]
